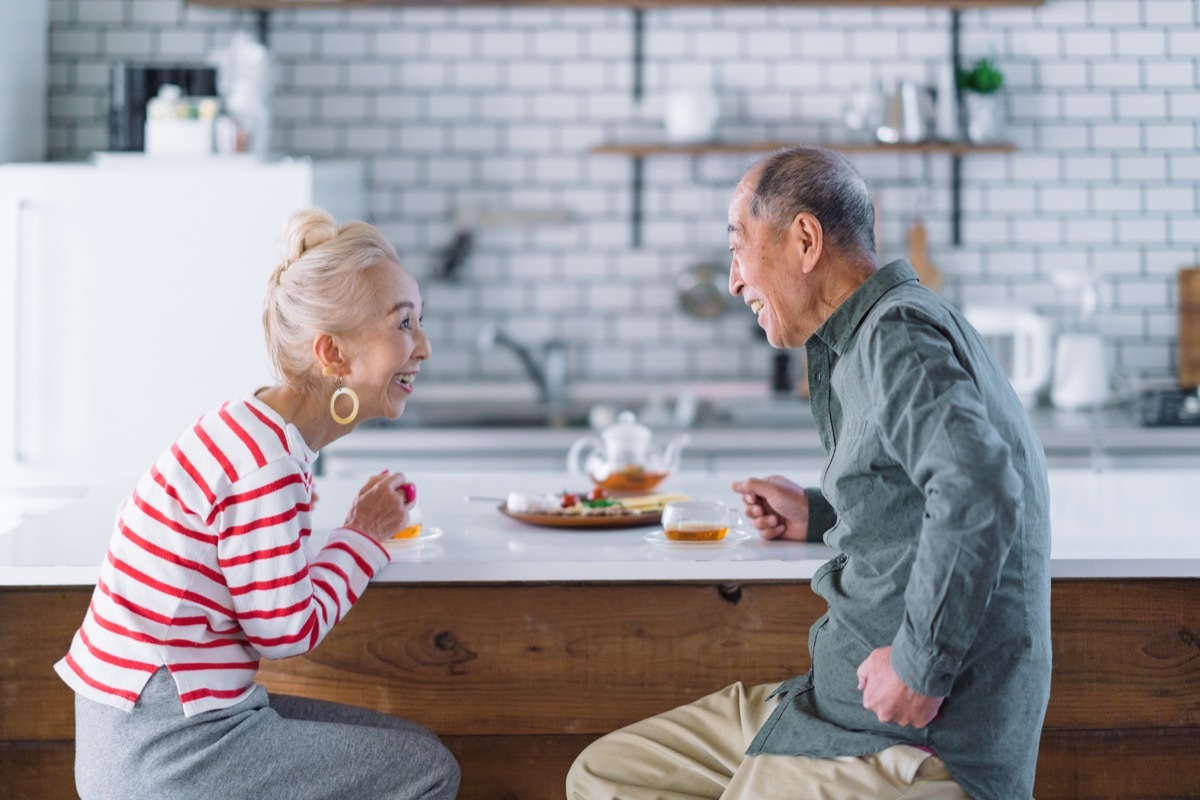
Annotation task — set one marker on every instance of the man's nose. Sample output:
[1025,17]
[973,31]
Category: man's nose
[735,279]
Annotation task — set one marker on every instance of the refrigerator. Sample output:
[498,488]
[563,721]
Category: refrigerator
[131,297]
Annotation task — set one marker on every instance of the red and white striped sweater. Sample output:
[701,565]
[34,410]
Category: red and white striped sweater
[206,569]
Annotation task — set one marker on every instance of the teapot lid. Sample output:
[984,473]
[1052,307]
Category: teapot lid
[626,430]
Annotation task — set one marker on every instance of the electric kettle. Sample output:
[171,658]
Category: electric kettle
[1021,341]
[1080,372]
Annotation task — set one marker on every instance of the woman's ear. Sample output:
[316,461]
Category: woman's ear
[807,240]
[329,355]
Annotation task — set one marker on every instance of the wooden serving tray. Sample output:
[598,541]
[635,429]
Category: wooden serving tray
[593,521]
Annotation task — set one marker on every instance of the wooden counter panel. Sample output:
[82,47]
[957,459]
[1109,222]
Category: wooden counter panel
[585,659]
[524,659]
[1126,654]
[36,626]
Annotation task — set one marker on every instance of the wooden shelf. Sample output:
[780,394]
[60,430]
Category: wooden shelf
[273,5]
[642,149]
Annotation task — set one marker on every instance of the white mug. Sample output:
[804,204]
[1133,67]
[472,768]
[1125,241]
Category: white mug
[691,116]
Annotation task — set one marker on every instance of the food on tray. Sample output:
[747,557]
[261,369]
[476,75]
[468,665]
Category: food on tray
[591,504]
[531,503]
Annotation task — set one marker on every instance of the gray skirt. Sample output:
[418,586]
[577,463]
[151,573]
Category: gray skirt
[263,748]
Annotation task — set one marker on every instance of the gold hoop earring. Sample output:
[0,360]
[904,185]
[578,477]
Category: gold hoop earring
[348,392]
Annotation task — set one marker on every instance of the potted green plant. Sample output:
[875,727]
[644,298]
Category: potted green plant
[983,102]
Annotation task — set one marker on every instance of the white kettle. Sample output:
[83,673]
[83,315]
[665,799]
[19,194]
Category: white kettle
[1080,372]
[1021,341]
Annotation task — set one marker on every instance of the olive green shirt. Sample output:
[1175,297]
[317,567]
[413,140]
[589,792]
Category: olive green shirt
[935,495]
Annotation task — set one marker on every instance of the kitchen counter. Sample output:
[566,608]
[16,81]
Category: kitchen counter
[1106,524]
[518,646]
[738,433]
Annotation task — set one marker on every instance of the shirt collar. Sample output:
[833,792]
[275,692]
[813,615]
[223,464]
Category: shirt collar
[837,331]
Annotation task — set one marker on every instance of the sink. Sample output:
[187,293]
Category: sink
[485,414]
[760,412]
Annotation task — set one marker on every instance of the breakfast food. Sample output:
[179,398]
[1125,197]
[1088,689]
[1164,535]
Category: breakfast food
[591,504]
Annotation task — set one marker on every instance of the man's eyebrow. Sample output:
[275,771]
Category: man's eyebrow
[731,228]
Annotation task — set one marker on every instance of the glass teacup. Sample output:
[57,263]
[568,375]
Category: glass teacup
[413,529]
[696,520]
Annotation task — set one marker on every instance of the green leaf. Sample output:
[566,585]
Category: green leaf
[985,77]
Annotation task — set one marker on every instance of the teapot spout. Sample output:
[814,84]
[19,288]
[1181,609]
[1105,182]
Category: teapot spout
[673,450]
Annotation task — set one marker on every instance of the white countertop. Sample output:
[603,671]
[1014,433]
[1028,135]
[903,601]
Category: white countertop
[1111,524]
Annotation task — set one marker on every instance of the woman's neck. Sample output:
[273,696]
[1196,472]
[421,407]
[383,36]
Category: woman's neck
[310,414]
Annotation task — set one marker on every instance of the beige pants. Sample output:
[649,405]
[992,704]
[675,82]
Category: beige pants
[698,751]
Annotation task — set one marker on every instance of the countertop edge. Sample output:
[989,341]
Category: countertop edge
[626,572]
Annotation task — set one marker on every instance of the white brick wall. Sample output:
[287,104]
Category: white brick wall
[487,108]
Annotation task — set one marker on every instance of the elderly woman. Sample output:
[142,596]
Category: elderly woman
[206,571]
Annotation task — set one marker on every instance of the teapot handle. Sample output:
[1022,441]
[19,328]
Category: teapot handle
[578,451]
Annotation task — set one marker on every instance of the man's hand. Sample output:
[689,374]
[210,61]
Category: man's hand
[886,695]
[776,506]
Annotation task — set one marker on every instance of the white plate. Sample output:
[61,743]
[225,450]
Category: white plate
[733,537]
[425,535]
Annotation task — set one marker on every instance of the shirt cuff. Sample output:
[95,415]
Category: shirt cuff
[929,673]
[365,546]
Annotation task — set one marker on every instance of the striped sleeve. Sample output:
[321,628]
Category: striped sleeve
[285,604]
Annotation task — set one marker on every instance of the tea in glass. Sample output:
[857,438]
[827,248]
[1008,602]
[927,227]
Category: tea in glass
[413,529]
[695,521]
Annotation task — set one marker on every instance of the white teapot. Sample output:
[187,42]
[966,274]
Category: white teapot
[623,461]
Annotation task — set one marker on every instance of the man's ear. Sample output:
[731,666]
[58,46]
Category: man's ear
[807,240]
[329,355]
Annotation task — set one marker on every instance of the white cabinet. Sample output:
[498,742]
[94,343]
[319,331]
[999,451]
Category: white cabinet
[131,302]
[24,31]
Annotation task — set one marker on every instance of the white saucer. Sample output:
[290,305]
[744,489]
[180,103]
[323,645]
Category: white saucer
[425,535]
[735,536]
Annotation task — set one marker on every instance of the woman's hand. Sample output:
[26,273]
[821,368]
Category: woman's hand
[776,506]
[381,508]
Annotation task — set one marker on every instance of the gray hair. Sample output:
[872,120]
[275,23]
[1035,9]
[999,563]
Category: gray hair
[821,182]
[322,285]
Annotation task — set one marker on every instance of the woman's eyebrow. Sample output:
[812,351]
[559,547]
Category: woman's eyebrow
[401,305]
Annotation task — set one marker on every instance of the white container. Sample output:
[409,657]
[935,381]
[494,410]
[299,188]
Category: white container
[179,137]
[691,116]
[947,124]
[1080,373]
[1021,341]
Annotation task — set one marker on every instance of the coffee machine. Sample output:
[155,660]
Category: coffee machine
[132,85]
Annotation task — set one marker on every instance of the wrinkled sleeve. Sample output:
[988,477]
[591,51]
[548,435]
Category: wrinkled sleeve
[285,604]
[821,516]
[934,423]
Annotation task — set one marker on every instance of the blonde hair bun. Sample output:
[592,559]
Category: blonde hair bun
[305,230]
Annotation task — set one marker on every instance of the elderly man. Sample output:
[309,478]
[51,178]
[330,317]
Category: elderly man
[931,669]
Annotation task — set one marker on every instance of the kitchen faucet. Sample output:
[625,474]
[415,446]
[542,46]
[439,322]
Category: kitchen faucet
[550,374]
